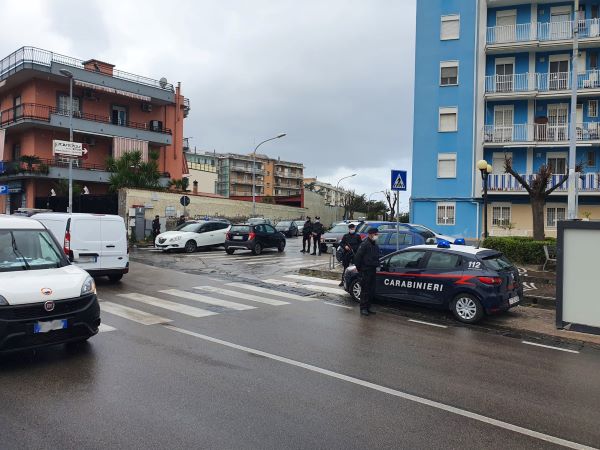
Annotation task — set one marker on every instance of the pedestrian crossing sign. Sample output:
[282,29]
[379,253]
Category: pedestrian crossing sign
[398,180]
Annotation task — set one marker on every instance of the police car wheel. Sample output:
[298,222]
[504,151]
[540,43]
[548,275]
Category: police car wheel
[355,290]
[467,308]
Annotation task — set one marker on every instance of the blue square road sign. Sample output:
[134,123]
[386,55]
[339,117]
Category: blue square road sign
[3,189]
[398,180]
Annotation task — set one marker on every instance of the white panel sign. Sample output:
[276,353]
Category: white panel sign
[66,148]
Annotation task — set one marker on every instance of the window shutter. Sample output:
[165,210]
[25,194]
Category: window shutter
[447,165]
[448,119]
[450,28]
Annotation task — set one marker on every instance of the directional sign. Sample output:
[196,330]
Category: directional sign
[3,189]
[398,180]
[185,200]
[66,148]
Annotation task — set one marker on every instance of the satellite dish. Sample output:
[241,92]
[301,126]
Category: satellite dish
[163,82]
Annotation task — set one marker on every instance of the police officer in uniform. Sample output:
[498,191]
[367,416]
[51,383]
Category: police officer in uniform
[306,235]
[181,220]
[350,243]
[367,262]
[155,228]
[317,232]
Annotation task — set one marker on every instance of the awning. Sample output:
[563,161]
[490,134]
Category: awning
[99,87]
[123,145]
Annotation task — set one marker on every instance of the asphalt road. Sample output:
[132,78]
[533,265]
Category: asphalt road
[242,356]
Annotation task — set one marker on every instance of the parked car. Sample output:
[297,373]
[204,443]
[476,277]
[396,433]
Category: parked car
[192,235]
[259,220]
[287,227]
[300,225]
[407,238]
[469,281]
[255,238]
[423,230]
[334,235]
[95,242]
[44,299]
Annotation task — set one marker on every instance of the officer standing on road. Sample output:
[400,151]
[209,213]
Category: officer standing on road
[181,220]
[306,235]
[317,232]
[155,228]
[350,243]
[367,262]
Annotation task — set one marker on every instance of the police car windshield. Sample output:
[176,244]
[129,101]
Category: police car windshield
[28,250]
[497,262]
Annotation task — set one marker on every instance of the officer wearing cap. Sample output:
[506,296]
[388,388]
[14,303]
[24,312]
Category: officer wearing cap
[349,243]
[317,232]
[306,235]
[366,261]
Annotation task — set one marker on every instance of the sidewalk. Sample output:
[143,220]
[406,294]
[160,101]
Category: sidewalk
[534,320]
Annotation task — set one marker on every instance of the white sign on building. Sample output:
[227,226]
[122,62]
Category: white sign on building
[66,148]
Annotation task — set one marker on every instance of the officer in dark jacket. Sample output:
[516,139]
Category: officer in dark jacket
[306,235]
[317,232]
[350,243]
[155,228]
[367,262]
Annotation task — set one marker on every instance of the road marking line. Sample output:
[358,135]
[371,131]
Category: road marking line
[172,306]
[273,259]
[550,347]
[207,300]
[103,328]
[235,294]
[308,287]
[132,314]
[428,323]
[313,279]
[389,391]
[339,306]
[263,290]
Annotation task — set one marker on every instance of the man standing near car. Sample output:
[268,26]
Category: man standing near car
[350,243]
[317,232]
[367,262]
[155,229]
[306,235]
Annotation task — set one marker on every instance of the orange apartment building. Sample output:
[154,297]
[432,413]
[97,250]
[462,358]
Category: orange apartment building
[114,112]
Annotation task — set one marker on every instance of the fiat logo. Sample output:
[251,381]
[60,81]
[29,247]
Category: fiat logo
[46,291]
[49,306]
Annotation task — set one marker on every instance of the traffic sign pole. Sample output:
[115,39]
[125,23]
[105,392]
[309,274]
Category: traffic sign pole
[398,183]
[397,220]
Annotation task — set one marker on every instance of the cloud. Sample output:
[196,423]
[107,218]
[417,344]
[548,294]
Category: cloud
[336,76]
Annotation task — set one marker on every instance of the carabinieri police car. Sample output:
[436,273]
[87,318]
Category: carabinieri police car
[470,281]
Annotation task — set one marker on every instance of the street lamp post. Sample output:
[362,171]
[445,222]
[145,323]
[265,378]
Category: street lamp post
[69,75]
[485,170]
[337,187]
[254,170]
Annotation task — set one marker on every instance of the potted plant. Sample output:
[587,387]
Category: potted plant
[586,216]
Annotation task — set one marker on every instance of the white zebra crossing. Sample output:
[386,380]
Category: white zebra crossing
[103,328]
[207,300]
[172,306]
[312,279]
[242,295]
[308,287]
[132,314]
[263,290]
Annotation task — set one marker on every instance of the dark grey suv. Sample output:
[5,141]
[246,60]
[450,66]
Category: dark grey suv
[255,238]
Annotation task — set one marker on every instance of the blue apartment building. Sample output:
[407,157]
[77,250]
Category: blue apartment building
[493,80]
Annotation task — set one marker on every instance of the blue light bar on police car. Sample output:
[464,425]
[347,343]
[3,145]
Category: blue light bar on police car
[459,241]
[443,244]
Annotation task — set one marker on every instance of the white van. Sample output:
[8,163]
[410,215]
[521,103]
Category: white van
[95,242]
[44,299]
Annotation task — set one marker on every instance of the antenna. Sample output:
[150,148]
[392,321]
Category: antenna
[163,82]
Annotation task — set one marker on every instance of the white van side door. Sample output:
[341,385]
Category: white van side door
[114,243]
[86,241]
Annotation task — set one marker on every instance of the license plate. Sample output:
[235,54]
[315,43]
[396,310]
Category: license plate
[513,300]
[86,259]
[44,327]
[238,238]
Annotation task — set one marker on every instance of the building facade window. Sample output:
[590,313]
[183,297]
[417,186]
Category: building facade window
[501,215]
[446,165]
[450,27]
[593,108]
[591,159]
[554,214]
[446,213]
[448,120]
[63,104]
[449,73]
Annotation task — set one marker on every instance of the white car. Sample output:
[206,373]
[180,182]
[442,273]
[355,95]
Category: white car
[44,299]
[193,235]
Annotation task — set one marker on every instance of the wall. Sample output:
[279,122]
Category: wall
[315,206]
[206,180]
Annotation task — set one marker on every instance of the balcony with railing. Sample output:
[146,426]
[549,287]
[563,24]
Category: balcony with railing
[548,83]
[530,33]
[246,169]
[292,175]
[539,133]
[588,182]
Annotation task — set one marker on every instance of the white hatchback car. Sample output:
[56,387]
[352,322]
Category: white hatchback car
[44,300]
[193,235]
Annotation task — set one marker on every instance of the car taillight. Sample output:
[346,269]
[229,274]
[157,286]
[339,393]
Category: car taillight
[67,243]
[251,236]
[492,281]
[228,236]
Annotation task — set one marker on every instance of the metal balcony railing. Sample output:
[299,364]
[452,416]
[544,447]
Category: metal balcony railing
[588,182]
[495,134]
[19,167]
[542,31]
[34,111]
[32,55]
[510,33]
[541,82]
[518,82]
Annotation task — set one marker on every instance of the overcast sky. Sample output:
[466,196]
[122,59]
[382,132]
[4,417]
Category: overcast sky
[335,75]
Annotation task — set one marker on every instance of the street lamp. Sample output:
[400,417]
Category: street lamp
[485,170]
[69,75]
[337,187]
[254,170]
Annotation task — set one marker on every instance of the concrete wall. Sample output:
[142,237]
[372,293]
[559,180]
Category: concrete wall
[206,180]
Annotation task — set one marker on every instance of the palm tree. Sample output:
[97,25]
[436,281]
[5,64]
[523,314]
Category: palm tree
[129,171]
[179,184]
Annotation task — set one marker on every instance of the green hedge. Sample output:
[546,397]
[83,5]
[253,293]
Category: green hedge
[519,249]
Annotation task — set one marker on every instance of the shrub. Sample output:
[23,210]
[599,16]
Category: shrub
[519,249]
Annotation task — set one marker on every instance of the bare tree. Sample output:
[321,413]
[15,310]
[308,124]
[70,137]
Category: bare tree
[538,191]
[392,200]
